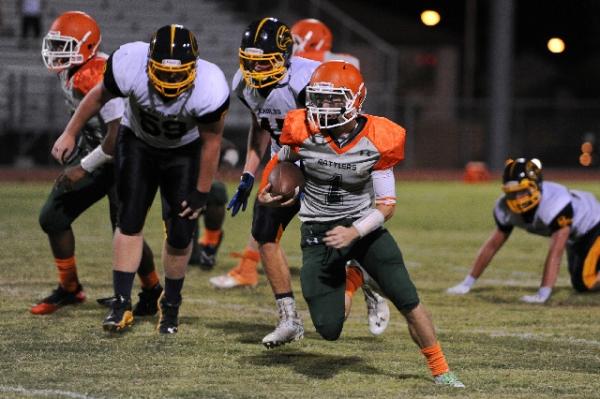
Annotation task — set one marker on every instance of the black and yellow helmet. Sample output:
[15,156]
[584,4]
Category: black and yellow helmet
[522,184]
[172,60]
[265,52]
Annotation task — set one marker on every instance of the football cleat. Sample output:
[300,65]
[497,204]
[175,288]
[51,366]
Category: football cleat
[148,302]
[120,316]
[288,329]
[378,311]
[205,256]
[243,275]
[59,298]
[448,379]
[168,322]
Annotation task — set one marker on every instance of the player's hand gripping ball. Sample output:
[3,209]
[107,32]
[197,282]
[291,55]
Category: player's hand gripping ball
[287,180]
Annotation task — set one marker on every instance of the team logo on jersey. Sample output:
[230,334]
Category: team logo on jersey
[337,165]
[283,38]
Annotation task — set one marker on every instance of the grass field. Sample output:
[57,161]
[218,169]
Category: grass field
[499,347]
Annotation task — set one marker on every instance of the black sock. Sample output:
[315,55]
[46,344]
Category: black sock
[173,290]
[284,295]
[123,282]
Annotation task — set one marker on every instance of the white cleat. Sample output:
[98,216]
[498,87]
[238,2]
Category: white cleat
[224,281]
[448,379]
[378,311]
[230,280]
[459,289]
[289,328]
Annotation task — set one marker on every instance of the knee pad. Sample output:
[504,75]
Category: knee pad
[53,222]
[180,232]
[217,195]
[330,332]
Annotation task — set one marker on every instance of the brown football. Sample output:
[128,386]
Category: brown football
[284,179]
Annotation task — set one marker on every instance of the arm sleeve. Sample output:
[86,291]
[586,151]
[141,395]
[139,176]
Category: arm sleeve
[505,228]
[110,82]
[113,109]
[214,115]
[563,218]
[384,186]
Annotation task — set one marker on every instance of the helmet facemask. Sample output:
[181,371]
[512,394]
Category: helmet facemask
[521,196]
[60,52]
[171,78]
[261,70]
[328,106]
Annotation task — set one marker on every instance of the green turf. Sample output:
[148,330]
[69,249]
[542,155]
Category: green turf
[499,347]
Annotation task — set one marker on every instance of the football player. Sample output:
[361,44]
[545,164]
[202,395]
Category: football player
[70,49]
[348,157]
[571,218]
[169,138]
[313,40]
[270,82]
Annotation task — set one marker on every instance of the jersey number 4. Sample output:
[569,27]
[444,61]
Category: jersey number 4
[334,196]
[155,127]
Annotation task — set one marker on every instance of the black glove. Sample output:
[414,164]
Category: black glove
[240,198]
[196,200]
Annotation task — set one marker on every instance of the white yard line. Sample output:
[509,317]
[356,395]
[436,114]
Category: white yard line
[44,392]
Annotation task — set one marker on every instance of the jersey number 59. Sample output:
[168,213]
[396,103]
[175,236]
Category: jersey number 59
[155,127]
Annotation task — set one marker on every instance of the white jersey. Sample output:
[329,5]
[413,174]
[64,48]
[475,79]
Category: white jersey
[160,123]
[271,111]
[555,197]
[75,83]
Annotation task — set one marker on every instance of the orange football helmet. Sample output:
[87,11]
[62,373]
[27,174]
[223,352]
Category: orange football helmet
[311,35]
[73,38]
[335,94]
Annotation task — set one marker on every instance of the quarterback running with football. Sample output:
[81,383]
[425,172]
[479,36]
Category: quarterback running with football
[70,49]
[571,218]
[169,138]
[348,159]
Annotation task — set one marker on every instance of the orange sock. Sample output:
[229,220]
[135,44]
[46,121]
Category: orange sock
[149,280]
[67,273]
[436,361]
[354,280]
[210,237]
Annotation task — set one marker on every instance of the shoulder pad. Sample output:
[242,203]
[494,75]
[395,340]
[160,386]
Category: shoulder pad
[89,75]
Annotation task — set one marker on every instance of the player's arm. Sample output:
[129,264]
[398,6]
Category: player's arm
[211,135]
[484,256]
[258,141]
[89,106]
[561,228]
[384,187]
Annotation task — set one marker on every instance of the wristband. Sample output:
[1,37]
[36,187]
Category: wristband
[94,159]
[370,222]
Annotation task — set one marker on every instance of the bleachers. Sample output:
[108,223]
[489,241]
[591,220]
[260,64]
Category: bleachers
[32,103]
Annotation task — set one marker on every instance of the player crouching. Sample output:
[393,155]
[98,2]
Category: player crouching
[346,157]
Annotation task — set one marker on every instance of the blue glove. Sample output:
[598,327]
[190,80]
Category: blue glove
[240,198]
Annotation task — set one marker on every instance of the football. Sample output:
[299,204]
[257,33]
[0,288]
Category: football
[284,179]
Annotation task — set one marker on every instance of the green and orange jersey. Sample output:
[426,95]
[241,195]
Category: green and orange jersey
[339,181]
[76,82]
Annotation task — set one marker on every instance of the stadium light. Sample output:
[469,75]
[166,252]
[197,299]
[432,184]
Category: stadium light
[430,17]
[556,45]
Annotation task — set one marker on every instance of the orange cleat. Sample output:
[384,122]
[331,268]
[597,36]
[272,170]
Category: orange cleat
[59,298]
